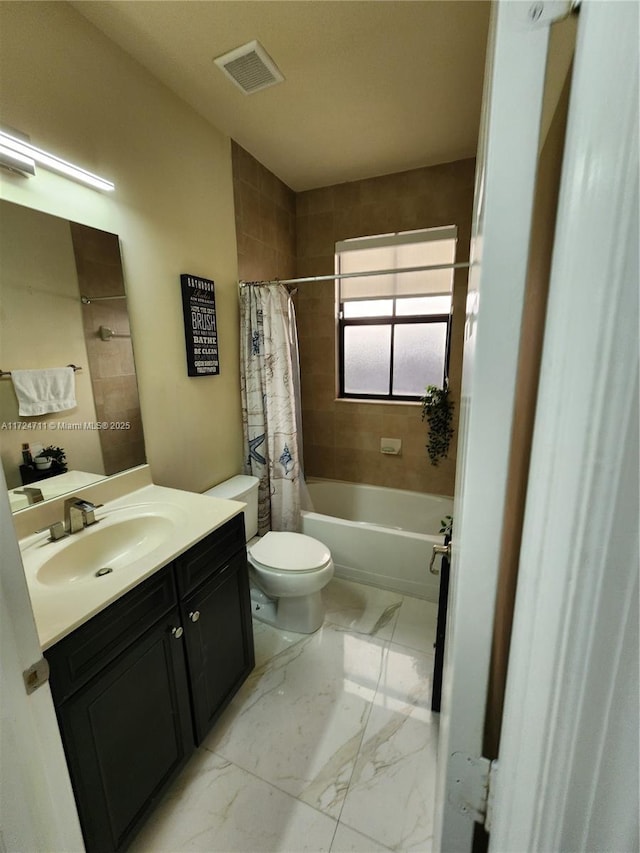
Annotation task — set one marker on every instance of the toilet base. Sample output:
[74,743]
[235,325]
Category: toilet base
[302,614]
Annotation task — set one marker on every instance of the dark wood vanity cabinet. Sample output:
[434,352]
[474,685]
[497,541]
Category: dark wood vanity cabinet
[213,585]
[218,640]
[138,685]
[126,735]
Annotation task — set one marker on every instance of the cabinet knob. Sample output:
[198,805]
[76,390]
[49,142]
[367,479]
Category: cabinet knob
[177,632]
[194,615]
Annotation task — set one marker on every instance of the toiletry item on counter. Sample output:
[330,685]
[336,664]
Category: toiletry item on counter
[26,455]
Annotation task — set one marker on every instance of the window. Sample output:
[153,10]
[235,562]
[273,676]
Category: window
[394,327]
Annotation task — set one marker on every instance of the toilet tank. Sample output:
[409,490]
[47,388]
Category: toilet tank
[241,488]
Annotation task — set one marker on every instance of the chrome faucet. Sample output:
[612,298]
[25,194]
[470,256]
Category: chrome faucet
[33,494]
[78,514]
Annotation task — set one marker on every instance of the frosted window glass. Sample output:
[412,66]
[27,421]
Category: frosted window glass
[367,356]
[418,357]
[369,308]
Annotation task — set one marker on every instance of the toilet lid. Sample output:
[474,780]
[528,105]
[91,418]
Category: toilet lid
[294,552]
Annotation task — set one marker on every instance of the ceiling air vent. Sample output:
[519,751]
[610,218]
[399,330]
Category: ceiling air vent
[250,67]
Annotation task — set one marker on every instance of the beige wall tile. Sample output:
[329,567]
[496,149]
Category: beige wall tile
[414,443]
[395,425]
[111,363]
[348,223]
[251,218]
[323,326]
[250,169]
[265,220]
[347,195]
[282,234]
[321,200]
[348,438]
[323,364]
[421,198]
[319,265]
[358,417]
[319,461]
[315,235]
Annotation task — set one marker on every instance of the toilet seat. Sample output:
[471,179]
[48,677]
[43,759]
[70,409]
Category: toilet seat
[289,552]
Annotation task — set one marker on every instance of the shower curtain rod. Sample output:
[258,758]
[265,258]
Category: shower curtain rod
[312,278]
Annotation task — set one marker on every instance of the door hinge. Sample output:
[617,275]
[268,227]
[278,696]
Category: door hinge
[36,675]
[543,13]
[473,780]
[488,818]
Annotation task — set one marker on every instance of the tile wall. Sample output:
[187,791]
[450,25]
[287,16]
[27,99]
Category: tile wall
[265,220]
[342,438]
[113,373]
[283,234]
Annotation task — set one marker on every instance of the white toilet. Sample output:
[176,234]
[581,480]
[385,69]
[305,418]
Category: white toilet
[287,570]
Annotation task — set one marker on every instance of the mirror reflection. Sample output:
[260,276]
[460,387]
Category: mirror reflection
[62,302]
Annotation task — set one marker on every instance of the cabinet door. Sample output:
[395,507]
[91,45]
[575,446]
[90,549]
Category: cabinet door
[219,641]
[126,735]
[81,656]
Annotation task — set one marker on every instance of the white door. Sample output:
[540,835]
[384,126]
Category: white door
[505,181]
[37,808]
[569,773]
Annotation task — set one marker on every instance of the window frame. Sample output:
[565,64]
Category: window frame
[393,320]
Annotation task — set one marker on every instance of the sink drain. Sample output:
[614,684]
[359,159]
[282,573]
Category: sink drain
[105,571]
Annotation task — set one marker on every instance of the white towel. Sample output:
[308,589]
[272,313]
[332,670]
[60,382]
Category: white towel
[43,391]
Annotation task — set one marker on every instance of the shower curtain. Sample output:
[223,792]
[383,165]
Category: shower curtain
[270,390]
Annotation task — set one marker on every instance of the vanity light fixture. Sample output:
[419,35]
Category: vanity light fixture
[16,162]
[20,154]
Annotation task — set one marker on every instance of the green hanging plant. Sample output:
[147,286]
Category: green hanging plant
[437,410]
[446,525]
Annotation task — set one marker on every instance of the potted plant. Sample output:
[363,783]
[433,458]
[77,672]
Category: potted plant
[57,457]
[437,410]
[446,525]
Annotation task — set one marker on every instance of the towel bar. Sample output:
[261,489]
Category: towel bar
[4,373]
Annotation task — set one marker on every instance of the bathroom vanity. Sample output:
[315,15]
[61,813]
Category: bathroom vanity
[138,685]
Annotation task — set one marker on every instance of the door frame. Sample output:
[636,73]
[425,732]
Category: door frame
[503,207]
[568,773]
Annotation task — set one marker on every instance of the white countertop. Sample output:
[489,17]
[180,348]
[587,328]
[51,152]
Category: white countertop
[60,607]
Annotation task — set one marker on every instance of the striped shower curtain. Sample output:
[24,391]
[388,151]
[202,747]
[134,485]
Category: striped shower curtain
[270,390]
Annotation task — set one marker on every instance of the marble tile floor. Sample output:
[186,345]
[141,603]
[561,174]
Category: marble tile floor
[330,745]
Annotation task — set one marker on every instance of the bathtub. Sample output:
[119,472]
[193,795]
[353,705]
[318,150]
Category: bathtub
[383,537]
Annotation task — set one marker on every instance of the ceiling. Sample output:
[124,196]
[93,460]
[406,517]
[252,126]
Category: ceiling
[371,86]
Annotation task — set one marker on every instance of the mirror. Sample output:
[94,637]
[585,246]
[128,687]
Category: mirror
[63,302]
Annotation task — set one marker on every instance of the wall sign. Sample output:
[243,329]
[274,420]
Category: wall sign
[200,328]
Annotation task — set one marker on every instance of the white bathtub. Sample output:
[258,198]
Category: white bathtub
[383,537]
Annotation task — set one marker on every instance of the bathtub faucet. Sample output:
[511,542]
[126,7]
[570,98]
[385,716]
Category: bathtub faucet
[444,550]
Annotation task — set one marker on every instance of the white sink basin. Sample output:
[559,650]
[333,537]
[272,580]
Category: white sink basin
[118,541]
[136,534]
[89,555]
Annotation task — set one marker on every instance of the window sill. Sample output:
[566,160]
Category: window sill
[366,402]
